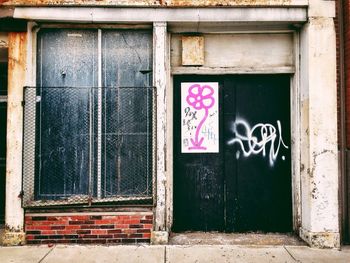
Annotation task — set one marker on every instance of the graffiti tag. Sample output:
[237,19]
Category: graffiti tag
[260,139]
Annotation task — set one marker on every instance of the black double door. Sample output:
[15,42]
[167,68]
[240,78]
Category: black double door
[246,185]
[3,124]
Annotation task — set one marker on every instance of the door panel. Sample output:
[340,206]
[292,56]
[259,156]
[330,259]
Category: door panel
[249,181]
[3,119]
[262,183]
[3,125]
[67,62]
[198,182]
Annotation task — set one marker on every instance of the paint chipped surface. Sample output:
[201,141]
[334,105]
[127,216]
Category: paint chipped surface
[225,2]
[162,3]
[326,239]
[17,44]
[80,3]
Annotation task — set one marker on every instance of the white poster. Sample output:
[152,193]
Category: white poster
[199,117]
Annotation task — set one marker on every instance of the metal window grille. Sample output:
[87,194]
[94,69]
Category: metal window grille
[88,145]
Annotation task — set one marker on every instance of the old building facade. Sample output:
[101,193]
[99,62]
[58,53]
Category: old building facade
[127,120]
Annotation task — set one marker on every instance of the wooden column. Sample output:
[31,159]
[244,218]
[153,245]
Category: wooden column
[14,214]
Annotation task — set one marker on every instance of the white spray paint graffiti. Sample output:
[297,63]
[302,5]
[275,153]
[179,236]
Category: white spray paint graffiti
[255,140]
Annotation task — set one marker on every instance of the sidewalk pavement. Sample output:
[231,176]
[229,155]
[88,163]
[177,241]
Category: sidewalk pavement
[171,254]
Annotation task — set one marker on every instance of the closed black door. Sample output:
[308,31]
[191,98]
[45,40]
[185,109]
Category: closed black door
[3,124]
[3,119]
[246,185]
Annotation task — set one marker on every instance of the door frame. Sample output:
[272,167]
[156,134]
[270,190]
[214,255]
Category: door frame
[227,227]
[295,125]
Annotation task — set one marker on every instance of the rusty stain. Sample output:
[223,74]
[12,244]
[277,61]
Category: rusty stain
[17,50]
[17,46]
[80,2]
[187,3]
[163,3]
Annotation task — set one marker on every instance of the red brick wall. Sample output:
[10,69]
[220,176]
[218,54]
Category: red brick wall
[80,228]
[346,8]
[336,23]
[346,27]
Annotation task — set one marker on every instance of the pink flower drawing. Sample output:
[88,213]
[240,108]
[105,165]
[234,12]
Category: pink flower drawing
[200,97]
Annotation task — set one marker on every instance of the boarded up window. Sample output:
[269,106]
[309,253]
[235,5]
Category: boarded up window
[93,114]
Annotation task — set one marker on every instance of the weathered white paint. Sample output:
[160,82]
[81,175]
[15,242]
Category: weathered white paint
[33,29]
[160,81]
[241,52]
[319,154]
[137,15]
[14,213]
[169,137]
[295,138]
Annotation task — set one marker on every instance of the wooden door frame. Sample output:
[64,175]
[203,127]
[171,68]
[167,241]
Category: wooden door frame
[295,128]
[221,79]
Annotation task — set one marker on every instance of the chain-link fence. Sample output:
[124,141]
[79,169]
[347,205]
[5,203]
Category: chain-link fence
[88,145]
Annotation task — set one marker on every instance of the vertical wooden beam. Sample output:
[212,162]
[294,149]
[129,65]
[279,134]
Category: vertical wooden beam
[159,234]
[14,214]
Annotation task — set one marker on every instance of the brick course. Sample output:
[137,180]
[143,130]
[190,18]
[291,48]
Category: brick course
[346,27]
[88,229]
[346,8]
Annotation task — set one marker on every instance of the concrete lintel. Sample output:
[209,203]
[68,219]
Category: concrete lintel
[231,70]
[320,239]
[139,15]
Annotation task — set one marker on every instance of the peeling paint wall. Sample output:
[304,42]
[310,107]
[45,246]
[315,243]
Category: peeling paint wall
[154,3]
[319,153]
[16,80]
